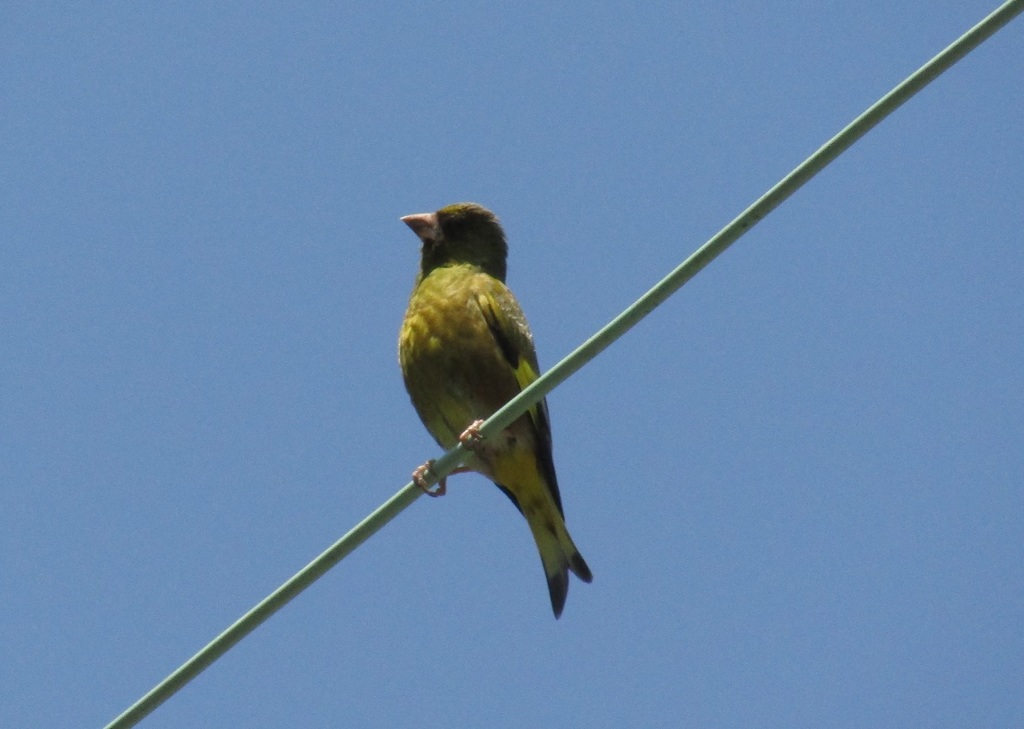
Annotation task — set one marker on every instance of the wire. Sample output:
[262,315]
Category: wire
[575,360]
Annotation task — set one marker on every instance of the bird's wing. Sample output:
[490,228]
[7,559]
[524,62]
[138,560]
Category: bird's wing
[508,326]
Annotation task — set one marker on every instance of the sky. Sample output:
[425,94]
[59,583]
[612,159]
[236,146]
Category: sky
[798,483]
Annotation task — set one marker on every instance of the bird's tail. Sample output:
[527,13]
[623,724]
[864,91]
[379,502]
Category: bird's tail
[558,554]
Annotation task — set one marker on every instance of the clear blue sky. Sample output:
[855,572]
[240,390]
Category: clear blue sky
[798,483]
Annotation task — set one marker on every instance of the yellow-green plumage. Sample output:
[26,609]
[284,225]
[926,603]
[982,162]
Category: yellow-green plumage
[465,350]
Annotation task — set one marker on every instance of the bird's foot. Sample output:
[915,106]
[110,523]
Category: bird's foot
[419,477]
[471,437]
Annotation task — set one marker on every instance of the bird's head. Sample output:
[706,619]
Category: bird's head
[460,233]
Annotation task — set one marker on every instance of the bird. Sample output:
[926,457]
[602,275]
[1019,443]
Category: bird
[465,349]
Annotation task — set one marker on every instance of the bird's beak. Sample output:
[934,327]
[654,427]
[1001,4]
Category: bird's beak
[425,225]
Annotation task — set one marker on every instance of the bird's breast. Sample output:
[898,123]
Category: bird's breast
[452,366]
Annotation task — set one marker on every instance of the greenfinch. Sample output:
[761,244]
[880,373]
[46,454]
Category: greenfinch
[465,350]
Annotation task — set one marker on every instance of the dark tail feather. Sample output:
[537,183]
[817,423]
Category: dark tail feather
[579,567]
[559,555]
[558,582]
[558,587]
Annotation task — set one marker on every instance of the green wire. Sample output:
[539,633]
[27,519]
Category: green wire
[577,359]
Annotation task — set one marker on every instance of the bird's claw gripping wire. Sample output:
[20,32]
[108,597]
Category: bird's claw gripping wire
[471,437]
[419,477]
